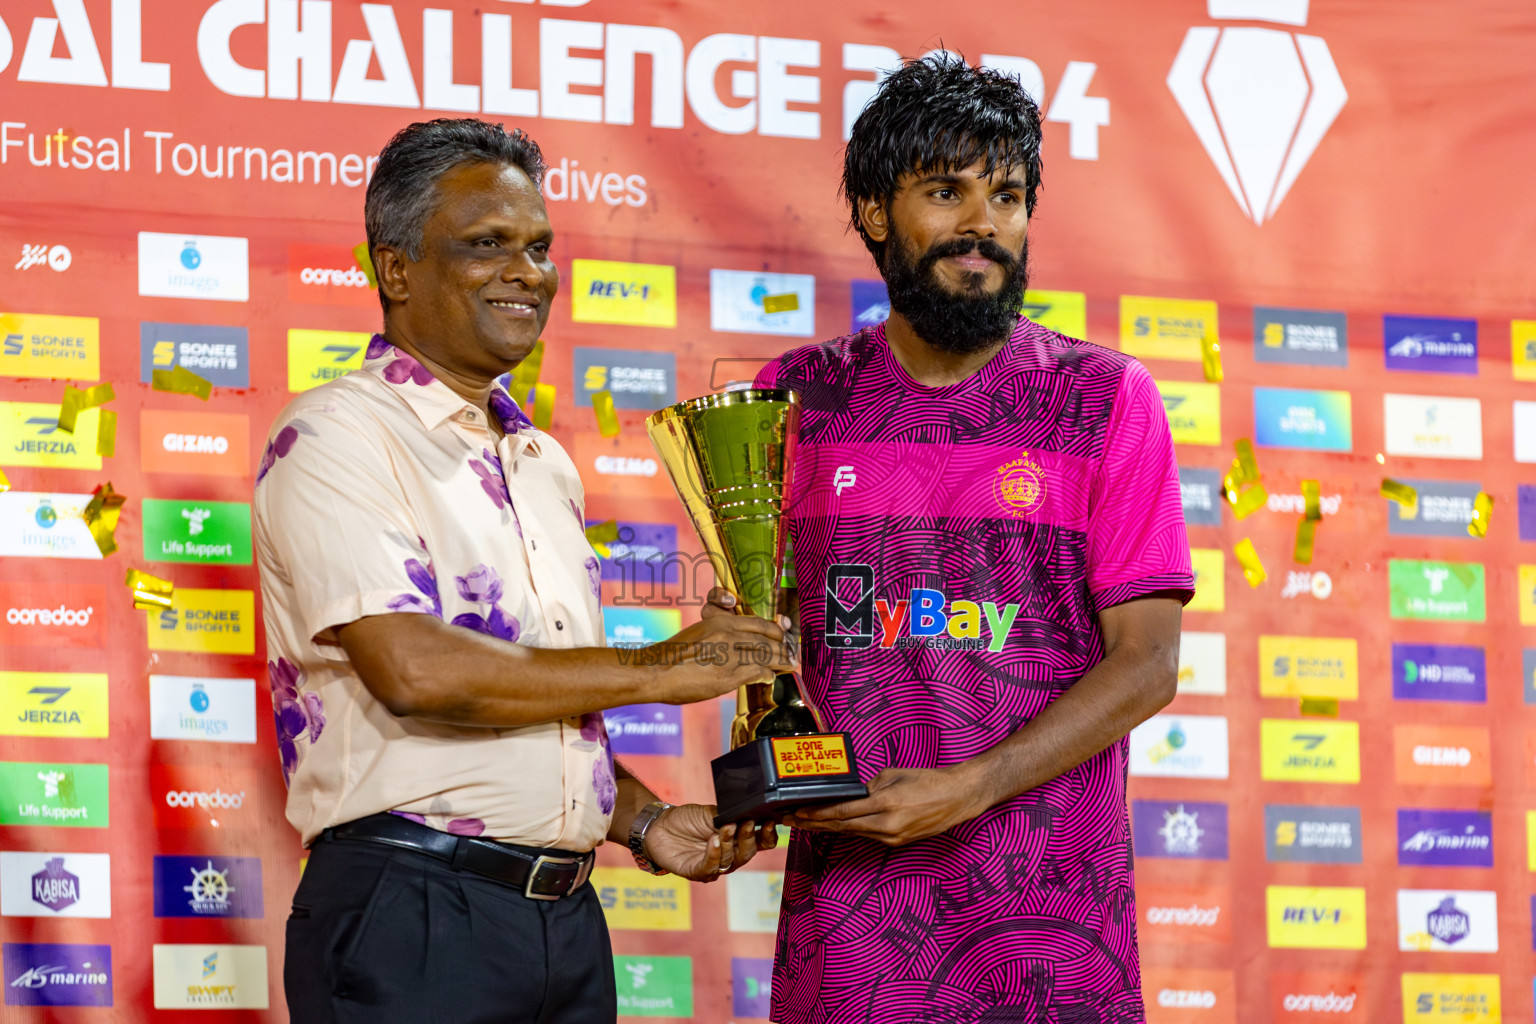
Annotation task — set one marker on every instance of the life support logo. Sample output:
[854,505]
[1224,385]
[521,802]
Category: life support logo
[1019,486]
[1259,99]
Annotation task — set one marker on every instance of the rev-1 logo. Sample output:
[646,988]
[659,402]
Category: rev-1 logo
[850,621]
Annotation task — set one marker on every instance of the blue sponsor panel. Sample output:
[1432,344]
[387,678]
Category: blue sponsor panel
[1439,672]
[1526,507]
[1180,829]
[636,378]
[1444,838]
[1444,509]
[208,886]
[220,355]
[1300,336]
[1430,344]
[1306,420]
[751,986]
[644,554]
[57,974]
[871,304]
[637,627]
[646,729]
[1201,494]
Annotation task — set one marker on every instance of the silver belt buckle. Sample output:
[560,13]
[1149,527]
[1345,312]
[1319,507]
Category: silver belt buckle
[533,878]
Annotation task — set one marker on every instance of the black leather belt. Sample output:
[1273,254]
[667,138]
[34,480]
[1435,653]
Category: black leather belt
[540,874]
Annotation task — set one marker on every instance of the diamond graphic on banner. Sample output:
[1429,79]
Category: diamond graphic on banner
[1259,99]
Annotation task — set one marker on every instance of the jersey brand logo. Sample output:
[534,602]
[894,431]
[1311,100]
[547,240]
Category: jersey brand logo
[843,477]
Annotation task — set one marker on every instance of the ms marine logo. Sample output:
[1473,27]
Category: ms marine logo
[1020,486]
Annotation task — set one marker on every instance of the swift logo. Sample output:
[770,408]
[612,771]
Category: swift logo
[843,477]
[1259,99]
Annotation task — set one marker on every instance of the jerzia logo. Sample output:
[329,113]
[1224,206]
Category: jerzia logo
[925,618]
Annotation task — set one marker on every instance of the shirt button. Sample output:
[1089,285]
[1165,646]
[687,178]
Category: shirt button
[535,544]
[469,415]
[559,624]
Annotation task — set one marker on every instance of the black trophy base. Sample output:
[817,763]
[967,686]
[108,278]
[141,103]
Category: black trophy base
[774,775]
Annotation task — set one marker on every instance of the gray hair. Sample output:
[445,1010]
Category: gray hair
[403,191]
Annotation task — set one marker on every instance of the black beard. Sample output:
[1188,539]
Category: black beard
[963,323]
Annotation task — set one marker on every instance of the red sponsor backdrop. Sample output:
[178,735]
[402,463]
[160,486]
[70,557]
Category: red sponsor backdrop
[718,148]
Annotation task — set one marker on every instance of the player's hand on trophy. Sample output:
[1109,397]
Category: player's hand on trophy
[723,602]
[719,653]
[903,806]
[685,842]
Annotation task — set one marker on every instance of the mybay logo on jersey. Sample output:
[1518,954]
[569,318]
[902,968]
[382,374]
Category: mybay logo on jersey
[1444,509]
[45,525]
[1447,922]
[208,886]
[646,729]
[1439,998]
[315,357]
[1314,750]
[30,436]
[1312,834]
[1306,917]
[1201,495]
[1185,995]
[1313,997]
[194,797]
[1185,829]
[747,302]
[1194,411]
[194,266]
[1439,672]
[53,704]
[199,977]
[1166,328]
[1430,344]
[198,532]
[36,884]
[1307,420]
[636,379]
[1434,838]
[1210,566]
[57,974]
[1202,663]
[41,345]
[52,614]
[1433,426]
[752,900]
[198,708]
[186,441]
[751,986]
[1306,666]
[654,986]
[1437,591]
[1442,755]
[1183,915]
[73,795]
[1182,746]
[327,275]
[1304,337]
[635,899]
[856,619]
[220,355]
[635,294]
[208,621]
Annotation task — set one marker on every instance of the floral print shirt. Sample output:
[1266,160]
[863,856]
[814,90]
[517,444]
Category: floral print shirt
[385,492]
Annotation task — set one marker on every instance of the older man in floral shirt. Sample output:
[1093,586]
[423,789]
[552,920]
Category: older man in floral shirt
[435,636]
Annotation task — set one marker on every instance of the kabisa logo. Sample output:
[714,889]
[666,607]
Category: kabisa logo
[1448,923]
[1463,921]
[1258,110]
[1019,486]
[55,884]
[926,618]
[54,887]
[55,974]
[57,257]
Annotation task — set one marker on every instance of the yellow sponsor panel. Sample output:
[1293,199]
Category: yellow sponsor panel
[1451,999]
[1194,411]
[1165,328]
[315,357]
[641,901]
[1315,917]
[53,704]
[1309,750]
[67,347]
[1530,840]
[1309,666]
[1522,337]
[1528,595]
[1210,565]
[1063,312]
[205,621]
[30,436]
[637,294]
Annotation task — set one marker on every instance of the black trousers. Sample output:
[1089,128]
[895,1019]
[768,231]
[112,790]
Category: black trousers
[389,936]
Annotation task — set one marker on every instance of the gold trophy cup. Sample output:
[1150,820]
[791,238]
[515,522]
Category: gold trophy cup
[729,456]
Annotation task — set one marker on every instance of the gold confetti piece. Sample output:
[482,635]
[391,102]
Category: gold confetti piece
[1253,498]
[543,405]
[180,381]
[5,484]
[106,434]
[1406,497]
[1312,494]
[786,303]
[1246,465]
[150,593]
[1306,535]
[601,535]
[77,401]
[1482,511]
[1248,558]
[364,260]
[527,373]
[101,516]
[607,419]
[1320,707]
[1210,359]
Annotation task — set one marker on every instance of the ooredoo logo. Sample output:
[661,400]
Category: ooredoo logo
[327,275]
[202,797]
[51,614]
[1316,997]
[1184,915]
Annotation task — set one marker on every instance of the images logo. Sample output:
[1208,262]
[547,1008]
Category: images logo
[1309,751]
[1525,432]
[1433,426]
[1307,420]
[34,884]
[57,974]
[315,357]
[637,294]
[1165,328]
[1194,411]
[208,887]
[1184,830]
[51,614]
[53,704]
[197,708]
[50,346]
[210,621]
[1444,838]
[1303,917]
[198,977]
[1442,755]
[30,436]
[214,443]
[1447,922]
[1312,834]
[1203,663]
[1439,591]
[1183,916]
[220,355]
[329,275]
[1430,344]
[45,525]
[744,301]
[1463,998]
[1258,110]
[1439,672]
[1185,746]
[194,266]
[636,379]
[654,986]
[1300,666]
[1300,337]
[53,794]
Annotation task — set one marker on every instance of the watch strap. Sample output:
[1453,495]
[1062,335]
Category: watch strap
[648,816]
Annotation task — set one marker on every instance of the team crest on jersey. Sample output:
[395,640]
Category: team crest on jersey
[1020,486]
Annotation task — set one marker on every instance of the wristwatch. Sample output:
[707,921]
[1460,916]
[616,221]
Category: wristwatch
[649,815]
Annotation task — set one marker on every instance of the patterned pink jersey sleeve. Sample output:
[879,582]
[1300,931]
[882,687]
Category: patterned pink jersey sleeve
[768,376]
[1137,544]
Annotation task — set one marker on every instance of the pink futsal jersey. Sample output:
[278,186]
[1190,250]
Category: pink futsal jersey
[953,547]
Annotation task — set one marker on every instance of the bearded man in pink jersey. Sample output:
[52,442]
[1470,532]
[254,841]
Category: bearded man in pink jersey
[992,564]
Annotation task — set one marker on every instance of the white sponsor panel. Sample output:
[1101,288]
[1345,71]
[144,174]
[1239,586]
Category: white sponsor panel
[1180,746]
[1203,663]
[1525,431]
[1447,920]
[43,884]
[39,524]
[748,302]
[203,977]
[753,900]
[1434,426]
[194,266]
[197,708]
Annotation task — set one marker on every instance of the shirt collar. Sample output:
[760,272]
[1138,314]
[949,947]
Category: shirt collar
[431,399]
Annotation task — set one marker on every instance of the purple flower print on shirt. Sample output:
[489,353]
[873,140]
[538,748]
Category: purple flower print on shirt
[482,585]
[424,579]
[406,368]
[594,734]
[507,411]
[492,480]
[281,445]
[594,576]
[294,712]
[377,347]
[604,785]
[466,827]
